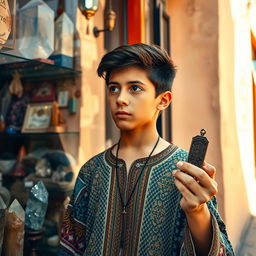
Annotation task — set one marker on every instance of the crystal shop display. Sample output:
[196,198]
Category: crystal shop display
[2,221]
[36,207]
[14,230]
[36,25]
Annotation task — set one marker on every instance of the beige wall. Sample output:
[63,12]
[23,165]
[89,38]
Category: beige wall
[194,49]
[235,97]
[92,118]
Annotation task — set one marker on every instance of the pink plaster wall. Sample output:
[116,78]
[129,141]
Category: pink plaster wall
[194,49]
[202,39]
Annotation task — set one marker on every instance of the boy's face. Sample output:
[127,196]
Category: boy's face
[132,100]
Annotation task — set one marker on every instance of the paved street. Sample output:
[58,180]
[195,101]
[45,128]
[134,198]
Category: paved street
[248,245]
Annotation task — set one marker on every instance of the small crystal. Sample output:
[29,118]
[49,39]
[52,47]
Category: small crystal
[14,230]
[36,206]
[2,221]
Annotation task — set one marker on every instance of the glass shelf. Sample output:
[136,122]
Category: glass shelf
[35,134]
[65,141]
[32,69]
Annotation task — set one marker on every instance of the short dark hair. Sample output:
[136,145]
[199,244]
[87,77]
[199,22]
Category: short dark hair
[159,66]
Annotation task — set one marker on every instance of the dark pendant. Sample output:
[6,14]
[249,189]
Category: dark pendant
[124,211]
[123,227]
[198,149]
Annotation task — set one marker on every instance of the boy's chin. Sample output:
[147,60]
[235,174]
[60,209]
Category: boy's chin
[124,127]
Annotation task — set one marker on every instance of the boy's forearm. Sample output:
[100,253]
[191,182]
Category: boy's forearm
[200,227]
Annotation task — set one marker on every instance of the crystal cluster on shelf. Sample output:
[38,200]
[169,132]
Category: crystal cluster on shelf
[36,25]
[36,206]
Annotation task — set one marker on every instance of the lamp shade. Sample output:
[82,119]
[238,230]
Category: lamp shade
[88,7]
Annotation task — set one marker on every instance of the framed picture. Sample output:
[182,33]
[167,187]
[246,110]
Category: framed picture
[7,24]
[45,92]
[37,117]
[63,97]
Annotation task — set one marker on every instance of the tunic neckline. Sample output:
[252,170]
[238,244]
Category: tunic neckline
[154,158]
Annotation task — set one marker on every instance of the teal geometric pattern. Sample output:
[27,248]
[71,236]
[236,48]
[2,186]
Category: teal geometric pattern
[98,208]
[162,213]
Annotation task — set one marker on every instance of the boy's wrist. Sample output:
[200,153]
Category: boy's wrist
[200,213]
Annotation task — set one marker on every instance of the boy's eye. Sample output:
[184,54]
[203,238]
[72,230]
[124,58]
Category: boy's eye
[136,88]
[113,89]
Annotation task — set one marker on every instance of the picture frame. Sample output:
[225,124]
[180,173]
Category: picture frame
[43,93]
[37,118]
[63,97]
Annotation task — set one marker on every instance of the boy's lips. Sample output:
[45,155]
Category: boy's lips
[122,114]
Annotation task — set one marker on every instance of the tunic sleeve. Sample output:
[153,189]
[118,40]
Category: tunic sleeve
[73,231]
[220,246]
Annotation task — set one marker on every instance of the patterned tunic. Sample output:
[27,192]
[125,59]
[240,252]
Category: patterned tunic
[154,225]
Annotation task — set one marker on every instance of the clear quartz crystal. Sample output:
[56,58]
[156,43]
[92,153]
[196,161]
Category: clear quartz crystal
[2,221]
[14,230]
[17,209]
[36,206]
[64,33]
[36,25]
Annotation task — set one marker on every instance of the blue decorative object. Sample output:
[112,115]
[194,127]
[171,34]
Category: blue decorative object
[62,60]
[10,130]
[72,105]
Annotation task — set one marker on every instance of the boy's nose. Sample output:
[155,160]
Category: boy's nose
[122,98]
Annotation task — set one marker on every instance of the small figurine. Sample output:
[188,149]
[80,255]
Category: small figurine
[57,120]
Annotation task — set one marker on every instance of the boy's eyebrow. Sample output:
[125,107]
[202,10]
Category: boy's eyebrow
[112,83]
[135,82]
[130,82]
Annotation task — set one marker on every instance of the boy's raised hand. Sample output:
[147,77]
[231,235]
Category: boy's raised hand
[197,188]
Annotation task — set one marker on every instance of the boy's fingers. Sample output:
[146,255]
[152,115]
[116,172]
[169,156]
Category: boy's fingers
[191,201]
[211,170]
[187,181]
[197,188]
[199,174]
[186,193]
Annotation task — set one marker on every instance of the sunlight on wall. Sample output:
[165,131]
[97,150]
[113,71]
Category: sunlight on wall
[243,97]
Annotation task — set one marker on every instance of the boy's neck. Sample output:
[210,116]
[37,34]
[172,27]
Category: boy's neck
[138,139]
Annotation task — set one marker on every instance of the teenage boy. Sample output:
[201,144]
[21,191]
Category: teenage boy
[141,197]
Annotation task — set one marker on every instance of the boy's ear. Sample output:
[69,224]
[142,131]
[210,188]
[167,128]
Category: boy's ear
[165,100]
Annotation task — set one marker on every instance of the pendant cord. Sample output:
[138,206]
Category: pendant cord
[124,205]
